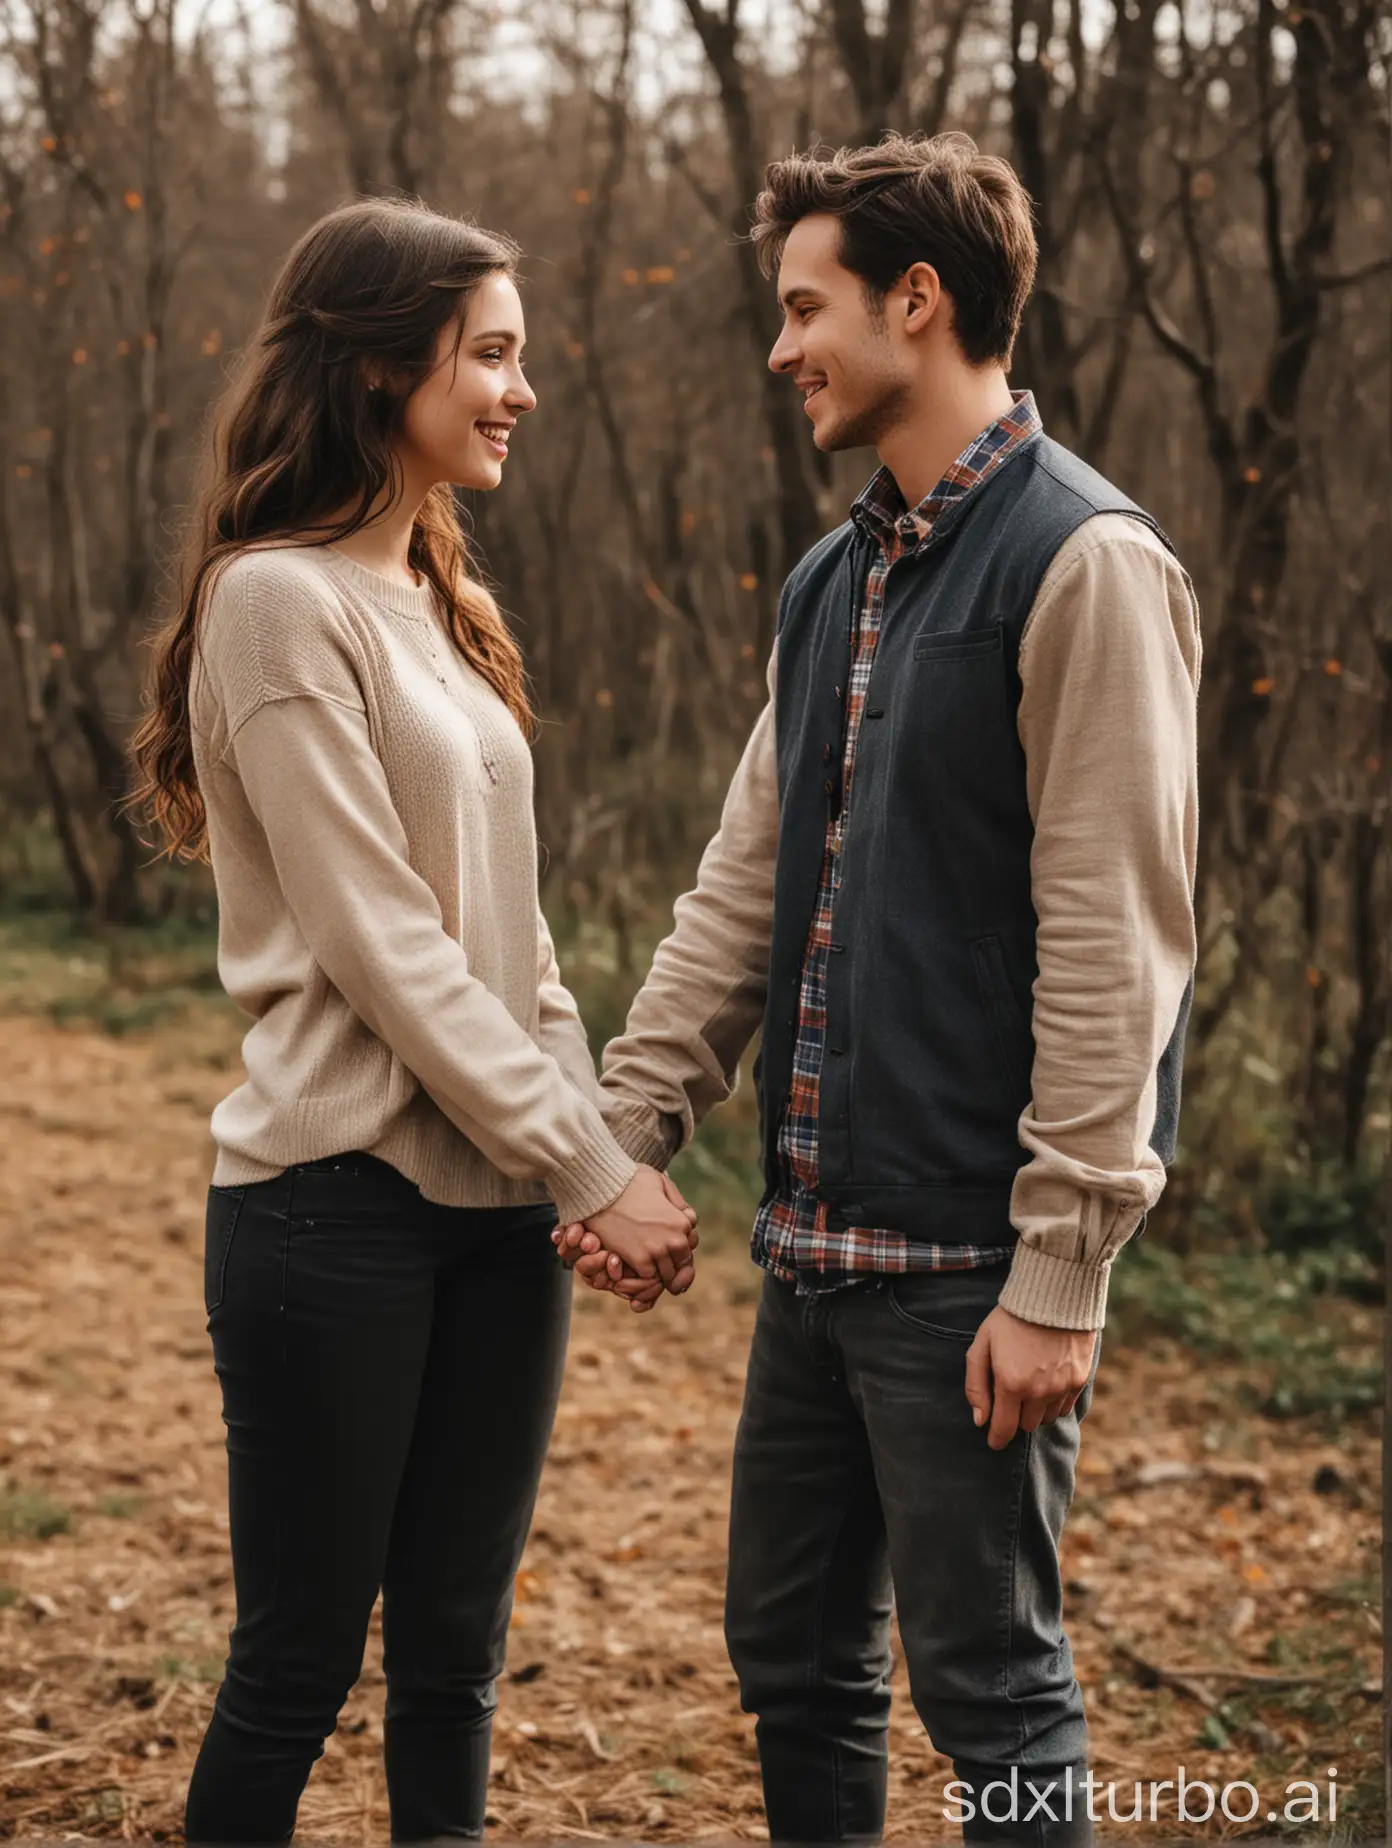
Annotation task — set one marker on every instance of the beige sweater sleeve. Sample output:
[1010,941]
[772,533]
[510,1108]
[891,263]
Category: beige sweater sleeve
[374,926]
[1110,668]
[703,1000]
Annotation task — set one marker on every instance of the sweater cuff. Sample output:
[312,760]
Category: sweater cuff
[1055,1292]
[592,1181]
[643,1133]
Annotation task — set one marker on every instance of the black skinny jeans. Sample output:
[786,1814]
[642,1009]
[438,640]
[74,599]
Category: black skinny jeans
[390,1370]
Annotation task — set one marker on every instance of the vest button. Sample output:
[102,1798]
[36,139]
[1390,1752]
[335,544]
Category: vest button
[826,753]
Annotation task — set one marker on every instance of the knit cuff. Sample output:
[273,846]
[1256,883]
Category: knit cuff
[593,1180]
[642,1132]
[1056,1292]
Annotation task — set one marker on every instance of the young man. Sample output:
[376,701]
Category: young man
[953,879]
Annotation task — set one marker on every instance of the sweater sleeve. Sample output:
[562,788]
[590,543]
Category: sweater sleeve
[1109,666]
[320,795]
[703,1001]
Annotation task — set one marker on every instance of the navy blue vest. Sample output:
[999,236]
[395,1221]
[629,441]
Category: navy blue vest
[929,1043]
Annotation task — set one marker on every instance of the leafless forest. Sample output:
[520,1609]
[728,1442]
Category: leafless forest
[1212,327]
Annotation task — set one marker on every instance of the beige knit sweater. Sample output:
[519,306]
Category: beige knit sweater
[369,804]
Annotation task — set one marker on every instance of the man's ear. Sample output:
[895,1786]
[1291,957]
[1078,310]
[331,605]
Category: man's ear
[923,295]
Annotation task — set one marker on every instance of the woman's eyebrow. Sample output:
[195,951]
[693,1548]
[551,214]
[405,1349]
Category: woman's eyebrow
[503,334]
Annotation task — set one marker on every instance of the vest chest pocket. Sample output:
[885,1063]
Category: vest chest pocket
[959,645]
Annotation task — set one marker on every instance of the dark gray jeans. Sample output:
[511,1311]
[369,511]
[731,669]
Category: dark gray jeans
[861,1481]
[390,1370]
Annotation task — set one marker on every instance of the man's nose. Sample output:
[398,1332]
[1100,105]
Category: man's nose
[782,358]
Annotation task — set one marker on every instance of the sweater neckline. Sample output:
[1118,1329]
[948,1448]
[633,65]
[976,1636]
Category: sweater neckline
[418,602]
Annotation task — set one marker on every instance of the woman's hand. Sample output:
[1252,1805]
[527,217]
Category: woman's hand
[584,1249]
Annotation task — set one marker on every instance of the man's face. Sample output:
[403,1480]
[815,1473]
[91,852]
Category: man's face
[855,377]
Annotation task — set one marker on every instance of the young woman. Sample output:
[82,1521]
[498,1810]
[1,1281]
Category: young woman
[339,721]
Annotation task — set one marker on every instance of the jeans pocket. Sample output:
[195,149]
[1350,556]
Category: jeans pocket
[219,1229]
[951,1304]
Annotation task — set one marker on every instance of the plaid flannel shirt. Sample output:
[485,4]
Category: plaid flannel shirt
[791,1235]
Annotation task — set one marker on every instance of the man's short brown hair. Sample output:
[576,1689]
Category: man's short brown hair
[916,199]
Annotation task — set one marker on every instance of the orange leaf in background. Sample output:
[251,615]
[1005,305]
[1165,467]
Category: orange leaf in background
[212,342]
[1227,1515]
[1254,1574]
[581,195]
[48,246]
[747,652]
[630,277]
[604,698]
[1372,763]
[575,349]
[57,650]
[1202,186]
[688,522]
[662,272]
[1332,666]
[79,357]
[133,201]
[61,279]
[149,342]
[49,145]
[1312,975]
[1263,687]
[748,581]
[1252,474]
[123,347]
[23,470]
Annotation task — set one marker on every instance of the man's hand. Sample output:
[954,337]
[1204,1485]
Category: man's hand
[585,1249]
[1021,1375]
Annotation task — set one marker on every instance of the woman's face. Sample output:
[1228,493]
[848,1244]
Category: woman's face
[458,421]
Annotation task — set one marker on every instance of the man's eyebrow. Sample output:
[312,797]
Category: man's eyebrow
[801,293]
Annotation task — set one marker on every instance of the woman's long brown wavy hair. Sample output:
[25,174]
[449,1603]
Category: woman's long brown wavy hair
[300,434]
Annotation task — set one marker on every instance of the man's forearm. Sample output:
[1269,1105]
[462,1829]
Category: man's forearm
[703,1000]
[1110,668]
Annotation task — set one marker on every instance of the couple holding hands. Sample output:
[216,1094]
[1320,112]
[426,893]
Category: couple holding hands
[951,888]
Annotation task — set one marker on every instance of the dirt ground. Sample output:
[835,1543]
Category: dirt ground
[1221,1573]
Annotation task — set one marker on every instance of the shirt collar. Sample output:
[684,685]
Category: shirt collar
[879,508]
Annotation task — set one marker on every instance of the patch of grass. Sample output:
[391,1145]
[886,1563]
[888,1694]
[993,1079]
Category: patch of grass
[30,1514]
[117,980]
[119,1507]
[189,1668]
[1286,1317]
[9,1594]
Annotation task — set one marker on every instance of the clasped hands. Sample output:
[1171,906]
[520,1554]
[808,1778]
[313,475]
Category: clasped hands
[641,1245]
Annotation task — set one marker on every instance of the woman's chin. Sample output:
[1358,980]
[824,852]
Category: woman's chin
[480,476]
